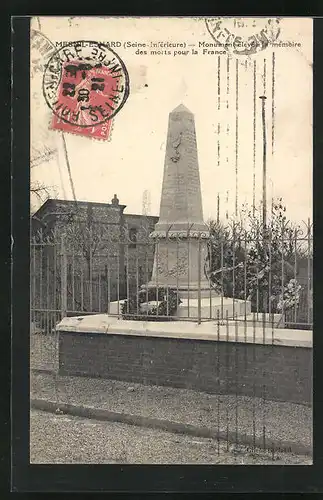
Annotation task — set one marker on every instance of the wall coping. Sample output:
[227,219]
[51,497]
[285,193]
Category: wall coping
[208,330]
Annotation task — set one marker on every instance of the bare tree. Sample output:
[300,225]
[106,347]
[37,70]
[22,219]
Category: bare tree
[40,192]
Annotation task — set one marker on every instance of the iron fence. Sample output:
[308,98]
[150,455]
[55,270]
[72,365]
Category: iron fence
[225,274]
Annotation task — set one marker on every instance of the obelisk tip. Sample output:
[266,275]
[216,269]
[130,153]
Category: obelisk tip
[181,109]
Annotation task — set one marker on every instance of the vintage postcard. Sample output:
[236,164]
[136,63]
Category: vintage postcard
[171,240]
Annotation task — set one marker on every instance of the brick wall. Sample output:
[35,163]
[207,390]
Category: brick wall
[276,372]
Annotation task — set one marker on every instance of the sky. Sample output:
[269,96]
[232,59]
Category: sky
[132,160]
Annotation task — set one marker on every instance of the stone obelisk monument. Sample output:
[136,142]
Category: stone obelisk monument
[181,233]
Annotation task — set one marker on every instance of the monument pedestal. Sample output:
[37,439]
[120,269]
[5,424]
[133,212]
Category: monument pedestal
[211,308]
[221,308]
[212,305]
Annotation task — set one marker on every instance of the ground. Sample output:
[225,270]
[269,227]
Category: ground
[63,439]
[235,416]
[68,439]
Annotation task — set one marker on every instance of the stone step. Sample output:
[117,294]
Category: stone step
[216,308]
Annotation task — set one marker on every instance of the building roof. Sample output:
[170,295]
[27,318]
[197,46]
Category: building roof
[51,203]
[142,215]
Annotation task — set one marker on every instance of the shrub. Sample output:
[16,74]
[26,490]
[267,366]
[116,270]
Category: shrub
[251,262]
[168,302]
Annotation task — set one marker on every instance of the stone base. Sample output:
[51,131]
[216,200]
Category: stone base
[114,307]
[214,308]
[184,291]
[211,308]
[238,331]
[208,357]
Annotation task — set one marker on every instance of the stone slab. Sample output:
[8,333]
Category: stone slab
[211,308]
[115,307]
[234,331]
[215,308]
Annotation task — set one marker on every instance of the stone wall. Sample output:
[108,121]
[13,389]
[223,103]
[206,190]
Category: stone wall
[282,373]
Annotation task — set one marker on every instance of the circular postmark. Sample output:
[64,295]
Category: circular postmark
[243,36]
[41,50]
[85,84]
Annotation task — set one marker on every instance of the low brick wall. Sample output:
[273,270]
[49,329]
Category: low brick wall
[281,373]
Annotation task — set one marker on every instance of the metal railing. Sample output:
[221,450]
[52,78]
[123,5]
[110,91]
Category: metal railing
[228,274]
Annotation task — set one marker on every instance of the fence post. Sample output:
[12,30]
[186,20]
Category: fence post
[199,282]
[309,275]
[63,279]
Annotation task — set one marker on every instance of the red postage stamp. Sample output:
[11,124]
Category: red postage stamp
[85,84]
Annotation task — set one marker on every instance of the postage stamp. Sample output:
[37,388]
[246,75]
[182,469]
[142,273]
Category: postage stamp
[243,36]
[85,85]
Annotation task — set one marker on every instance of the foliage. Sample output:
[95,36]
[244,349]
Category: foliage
[250,261]
[166,301]
[84,240]
[290,296]
[84,236]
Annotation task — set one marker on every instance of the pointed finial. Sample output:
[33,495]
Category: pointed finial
[115,200]
[182,109]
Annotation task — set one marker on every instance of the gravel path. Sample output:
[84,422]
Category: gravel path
[227,413]
[44,351]
[63,439]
